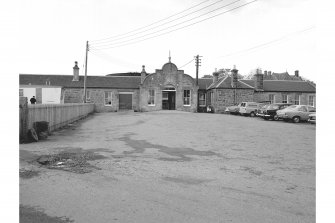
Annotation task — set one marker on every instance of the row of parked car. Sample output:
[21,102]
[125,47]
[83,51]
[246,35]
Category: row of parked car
[276,111]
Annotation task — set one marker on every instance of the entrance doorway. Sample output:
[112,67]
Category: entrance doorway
[125,101]
[169,100]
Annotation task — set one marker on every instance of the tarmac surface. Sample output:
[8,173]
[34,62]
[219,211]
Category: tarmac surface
[171,166]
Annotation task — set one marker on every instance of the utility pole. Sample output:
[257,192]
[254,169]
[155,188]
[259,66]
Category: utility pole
[197,64]
[85,72]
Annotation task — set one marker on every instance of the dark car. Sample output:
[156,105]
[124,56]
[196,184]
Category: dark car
[260,111]
[271,111]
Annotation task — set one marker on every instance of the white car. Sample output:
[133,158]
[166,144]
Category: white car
[249,108]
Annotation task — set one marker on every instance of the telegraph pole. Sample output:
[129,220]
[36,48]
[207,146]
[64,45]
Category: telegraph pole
[197,64]
[85,72]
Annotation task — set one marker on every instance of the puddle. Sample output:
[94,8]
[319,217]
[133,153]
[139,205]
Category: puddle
[186,180]
[32,214]
[28,174]
[181,154]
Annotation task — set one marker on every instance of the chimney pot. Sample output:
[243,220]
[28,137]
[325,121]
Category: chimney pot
[296,73]
[75,72]
[233,77]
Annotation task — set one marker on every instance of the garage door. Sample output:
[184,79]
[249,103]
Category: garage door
[125,102]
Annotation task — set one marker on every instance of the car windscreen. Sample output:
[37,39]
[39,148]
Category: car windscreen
[273,107]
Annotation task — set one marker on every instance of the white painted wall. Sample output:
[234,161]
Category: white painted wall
[51,95]
[29,93]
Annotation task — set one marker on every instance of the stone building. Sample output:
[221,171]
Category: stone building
[169,89]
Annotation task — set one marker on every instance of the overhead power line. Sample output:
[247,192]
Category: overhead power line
[166,28]
[114,46]
[268,43]
[151,23]
[106,42]
[187,63]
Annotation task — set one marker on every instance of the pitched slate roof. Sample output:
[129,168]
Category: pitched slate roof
[126,82]
[225,83]
[204,83]
[284,85]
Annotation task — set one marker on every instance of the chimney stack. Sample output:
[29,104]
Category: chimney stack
[234,77]
[75,72]
[143,74]
[259,79]
[215,76]
[296,73]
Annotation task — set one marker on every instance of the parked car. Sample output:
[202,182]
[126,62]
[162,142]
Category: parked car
[260,111]
[234,109]
[312,118]
[249,108]
[271,111]
[296,113]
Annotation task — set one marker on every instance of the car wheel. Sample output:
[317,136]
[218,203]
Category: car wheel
[276,118]
[296,119]
[252,114]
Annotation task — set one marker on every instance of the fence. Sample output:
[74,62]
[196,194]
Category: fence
[57,115]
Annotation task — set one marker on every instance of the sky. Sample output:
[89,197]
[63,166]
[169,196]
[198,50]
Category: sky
[274,35]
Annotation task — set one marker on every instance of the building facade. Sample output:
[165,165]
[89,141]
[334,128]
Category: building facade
[167,89]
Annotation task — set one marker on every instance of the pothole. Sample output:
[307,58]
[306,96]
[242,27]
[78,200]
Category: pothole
[72,162]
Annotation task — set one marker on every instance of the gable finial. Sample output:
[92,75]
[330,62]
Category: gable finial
[169,56]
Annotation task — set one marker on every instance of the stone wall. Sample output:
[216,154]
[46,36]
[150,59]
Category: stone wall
[97,96]
[170,77]
[265,96]
[224,98]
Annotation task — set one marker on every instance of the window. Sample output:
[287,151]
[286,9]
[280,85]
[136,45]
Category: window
[108,98]
[284,98]
[202,99]
[88,96]
[297,99]
[21,92]
[151,100]
[187,99]
[272,98]
[212,98]
[311,100]
[165,96]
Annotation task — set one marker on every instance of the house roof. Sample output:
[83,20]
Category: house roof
[126,82]
[284,85]
[225,82]
[204,83]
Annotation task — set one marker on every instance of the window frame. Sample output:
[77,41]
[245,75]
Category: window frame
[88,96]
[151,99]
[273,96]
[295,99]
[284,98]
[309,101]
[109,96]
[189,97]
[204,100]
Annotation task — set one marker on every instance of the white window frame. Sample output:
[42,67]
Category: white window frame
[109,96]
[88,96]
[21,93]
[309,100]
[189,97]
[295,99]
[284,98]
[151,101]
[204,105]
[273,98]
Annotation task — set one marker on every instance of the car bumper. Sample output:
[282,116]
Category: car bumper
[260,115]
[313,121]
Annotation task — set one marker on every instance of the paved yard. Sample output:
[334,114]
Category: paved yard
[174,167]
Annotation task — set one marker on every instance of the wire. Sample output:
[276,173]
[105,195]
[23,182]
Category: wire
[178,28]
[120,42]
[151,23]
[187,63]
[152,28]
[268,43]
